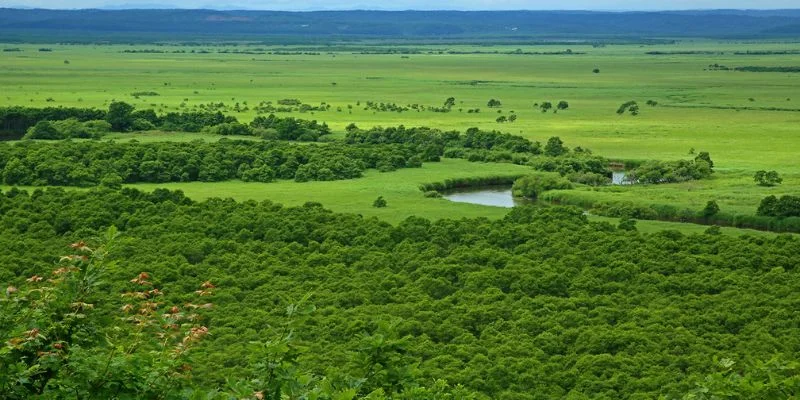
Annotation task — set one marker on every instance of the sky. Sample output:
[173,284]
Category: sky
[305,5]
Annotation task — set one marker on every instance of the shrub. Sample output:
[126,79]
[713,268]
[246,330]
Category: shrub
[532,186]
[711,209]
[380,202]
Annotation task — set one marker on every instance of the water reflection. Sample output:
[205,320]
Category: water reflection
[498,196]
[619,178]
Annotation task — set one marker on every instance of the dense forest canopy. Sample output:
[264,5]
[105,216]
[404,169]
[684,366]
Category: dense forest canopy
[539,305]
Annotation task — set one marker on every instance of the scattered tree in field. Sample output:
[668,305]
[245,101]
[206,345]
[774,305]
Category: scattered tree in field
[767,178]
[631,106]
[493,103]
[512,117]
[120,116]
[711,209]
[450,102]
[652,103]
[562,105]
[501,119]
[546,106]
[596,70]
[555,147]
[380,202]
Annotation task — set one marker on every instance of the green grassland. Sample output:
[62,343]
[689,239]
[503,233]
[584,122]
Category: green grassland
[734,191]
[400,189]
[745,120]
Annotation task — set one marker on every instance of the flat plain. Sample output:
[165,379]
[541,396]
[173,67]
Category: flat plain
[747,121]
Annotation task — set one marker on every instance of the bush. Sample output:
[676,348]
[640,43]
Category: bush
[380,202]
[532,186]
[589,178]
[230,128]
[555,147]
[711,209]
[141,124]
[627,224]
[43,130]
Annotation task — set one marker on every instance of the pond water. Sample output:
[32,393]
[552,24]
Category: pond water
[496,196]
[618,178]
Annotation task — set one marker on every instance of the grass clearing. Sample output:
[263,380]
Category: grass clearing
[400,189]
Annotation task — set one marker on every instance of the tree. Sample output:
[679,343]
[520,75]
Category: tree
[711,209]
[704,156]
[562,105]
[16,173]
[531,186]
[627,224]
[501,119]
[767,178]
[786,206]
[512,117]
[546,106]
[555,147]
[380,202]
[119,116]
[596,70]
[629,106]
[451,101]
[494,103]
[43,130]
[111,181]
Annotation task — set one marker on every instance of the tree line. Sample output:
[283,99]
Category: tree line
[63,123]
[91,163]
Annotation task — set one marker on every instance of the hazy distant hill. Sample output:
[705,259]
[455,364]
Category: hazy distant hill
[91,24]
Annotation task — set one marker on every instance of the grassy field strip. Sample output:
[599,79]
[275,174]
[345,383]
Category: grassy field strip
[736,139]
[400,188]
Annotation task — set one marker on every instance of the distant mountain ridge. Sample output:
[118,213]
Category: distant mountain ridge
[402,24]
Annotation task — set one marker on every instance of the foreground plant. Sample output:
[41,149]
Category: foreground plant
[57,344]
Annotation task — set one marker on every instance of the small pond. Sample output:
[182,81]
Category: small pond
[618,178]
[496,196]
